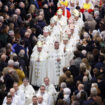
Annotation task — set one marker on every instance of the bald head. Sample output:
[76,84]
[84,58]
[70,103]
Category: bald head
[12,92]
[3,57]
[17,11]
[40,99]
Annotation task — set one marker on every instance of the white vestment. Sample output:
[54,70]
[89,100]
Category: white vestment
[67,53]
[28,91]
[7,104]
[50,89]
[43,103]
[55,67]
[62,21]
[38,69]
[46,97]
[21,96]
[15,100]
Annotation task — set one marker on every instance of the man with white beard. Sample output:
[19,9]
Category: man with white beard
[55,63]
[28,91]
[38,65]
[47,99]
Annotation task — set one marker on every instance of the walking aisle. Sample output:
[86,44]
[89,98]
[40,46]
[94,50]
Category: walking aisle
[55,48]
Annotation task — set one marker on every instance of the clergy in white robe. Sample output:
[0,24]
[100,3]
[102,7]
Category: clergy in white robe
[38,65]
[61,20]
[65,46]
[50,89]
[28,91]
[9,100]
[47,99]
[34,101]
[19,93]
[55,63]
[41,101]
[15,98]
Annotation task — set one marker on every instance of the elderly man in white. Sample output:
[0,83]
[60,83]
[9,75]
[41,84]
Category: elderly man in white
[28,91]
[55,63]
[38,65]
[61,20]
[15,98]
[65,45]
[47,99]
[50,89]
[56,29]
[41,101]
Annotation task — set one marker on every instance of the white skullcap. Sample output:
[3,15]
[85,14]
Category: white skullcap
[67,91]
[39,44]
[59,12]
[11,62]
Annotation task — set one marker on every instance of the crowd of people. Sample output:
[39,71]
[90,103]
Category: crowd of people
[52,52]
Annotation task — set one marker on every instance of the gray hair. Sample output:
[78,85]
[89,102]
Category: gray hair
[85,79]
[11,62]
[67,91]
[21,53]
[93,91]
[63,85]
[16,64]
